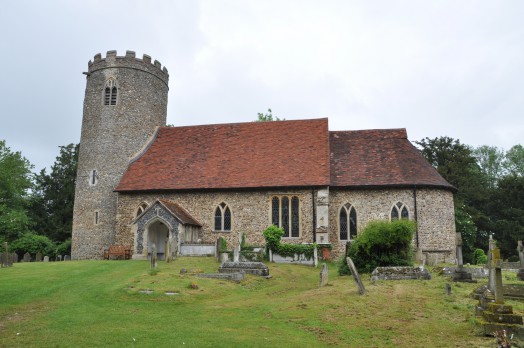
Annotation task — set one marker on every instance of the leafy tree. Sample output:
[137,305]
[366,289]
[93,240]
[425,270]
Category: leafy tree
[33,243]
[268,117]
[15,183]
[515,160]
[491,162]
[53,199]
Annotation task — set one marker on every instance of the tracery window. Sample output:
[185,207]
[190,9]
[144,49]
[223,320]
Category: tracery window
[110,92]
[399,211]
[222,218]
[347,222]
[285,213]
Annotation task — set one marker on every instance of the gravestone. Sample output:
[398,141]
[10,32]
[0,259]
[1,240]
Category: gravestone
[67,258]
[59,258]
[460,274]
[236,254]
[354,272]
[315,257]
[497,315]
[491,283]
[46,258]
[14,258]
[27,257]
[520,248]
[38,257]
[154,263]
[256,268]
[324,276]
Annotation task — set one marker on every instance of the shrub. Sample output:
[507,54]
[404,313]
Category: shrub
[63,248]
[272,235]
[380,244]
[33,243]
[222,245]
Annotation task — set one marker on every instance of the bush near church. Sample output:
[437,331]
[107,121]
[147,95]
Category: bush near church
[381,244]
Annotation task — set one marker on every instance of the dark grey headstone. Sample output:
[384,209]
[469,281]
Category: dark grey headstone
[27,257]
[38,257]
[324,276]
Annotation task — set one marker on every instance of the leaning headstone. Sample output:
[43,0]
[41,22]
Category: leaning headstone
[27,257]
[324,276]
[154,256]
[67,258]
[38,257]
[46,258]
[520,248]
[353,269]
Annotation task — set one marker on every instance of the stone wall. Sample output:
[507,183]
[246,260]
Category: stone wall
[111,136]
[251,214]
[250,211]
[435,215]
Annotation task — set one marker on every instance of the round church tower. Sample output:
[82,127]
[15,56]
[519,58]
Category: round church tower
[125,100]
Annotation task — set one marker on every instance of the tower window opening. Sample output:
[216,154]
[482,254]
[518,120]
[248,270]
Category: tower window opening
[110,92]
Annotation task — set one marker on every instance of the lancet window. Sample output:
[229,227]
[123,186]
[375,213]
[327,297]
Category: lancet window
[347,222]
[285,213]
[222,218]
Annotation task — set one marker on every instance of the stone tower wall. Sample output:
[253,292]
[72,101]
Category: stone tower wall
[111,135]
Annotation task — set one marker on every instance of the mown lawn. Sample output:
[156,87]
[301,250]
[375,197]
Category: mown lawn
[99,304]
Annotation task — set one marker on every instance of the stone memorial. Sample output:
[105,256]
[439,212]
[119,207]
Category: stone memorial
[460,274]
[491,283]
[38,257]
[256,268]
[354,272]
[497,315]
[27,257]
[324,276]
[154,256]
[400,273]
[520,272]
[67,258]
[46,258]
[236,254]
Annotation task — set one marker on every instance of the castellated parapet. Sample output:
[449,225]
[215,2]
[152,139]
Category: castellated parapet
[125,100]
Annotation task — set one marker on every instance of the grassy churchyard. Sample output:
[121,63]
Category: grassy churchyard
[101,303]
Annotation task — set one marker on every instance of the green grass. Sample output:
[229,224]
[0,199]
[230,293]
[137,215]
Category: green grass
[99,304]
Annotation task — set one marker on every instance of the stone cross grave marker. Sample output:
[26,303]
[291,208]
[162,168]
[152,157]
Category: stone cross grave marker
[353,269]
[491,283]
[324,276]
[460,274]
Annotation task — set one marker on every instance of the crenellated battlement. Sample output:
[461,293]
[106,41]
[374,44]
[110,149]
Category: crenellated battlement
[128,61]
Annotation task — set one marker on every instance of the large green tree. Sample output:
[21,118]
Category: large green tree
[491,161]
[515,160]
[53,198]
[15,184]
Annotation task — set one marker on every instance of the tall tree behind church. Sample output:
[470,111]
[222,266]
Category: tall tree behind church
[53,198]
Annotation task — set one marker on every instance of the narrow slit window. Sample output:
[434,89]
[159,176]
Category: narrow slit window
[110,92]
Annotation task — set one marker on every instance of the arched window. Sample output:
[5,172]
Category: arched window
[222,218]
[399,211]
[347,222]
[110,92]
[141,208]
[285,213]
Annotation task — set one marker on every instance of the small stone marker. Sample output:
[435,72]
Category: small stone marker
[491,284]
[58,257]
[46,258]
[67,258]
[236,254]
[315,257]
[38,257]
[353,269]
[324,276]
[154,256]
[460,274]
[448,289]
[27,257]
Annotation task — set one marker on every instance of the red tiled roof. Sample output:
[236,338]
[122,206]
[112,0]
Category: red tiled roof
[384,157]
[180,213]
[240,155]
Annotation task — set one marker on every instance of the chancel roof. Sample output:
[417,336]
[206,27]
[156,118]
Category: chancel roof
[299,153]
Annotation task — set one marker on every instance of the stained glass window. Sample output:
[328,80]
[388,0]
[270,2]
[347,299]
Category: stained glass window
[295,217]
[285,216]
[275,211]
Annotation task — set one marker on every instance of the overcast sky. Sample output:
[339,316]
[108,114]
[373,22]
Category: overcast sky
[438,68]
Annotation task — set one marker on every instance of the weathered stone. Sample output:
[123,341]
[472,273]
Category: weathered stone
[27,257]
[356,276]
[38,257]
[256,268]
[324,276]
[400,273]
[46,258]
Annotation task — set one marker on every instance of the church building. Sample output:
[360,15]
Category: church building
[141,183]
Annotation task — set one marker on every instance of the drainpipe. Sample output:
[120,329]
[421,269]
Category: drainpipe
[416,214]
[314,216]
